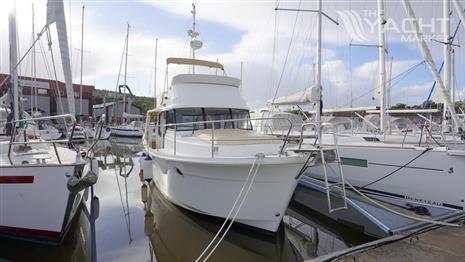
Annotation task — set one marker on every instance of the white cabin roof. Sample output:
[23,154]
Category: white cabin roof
[199,90]
[205,79]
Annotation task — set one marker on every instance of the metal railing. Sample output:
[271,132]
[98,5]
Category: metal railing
[53,142]
[302,133]
[213,139]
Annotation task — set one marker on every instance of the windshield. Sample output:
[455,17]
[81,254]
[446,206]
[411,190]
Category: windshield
[188,115]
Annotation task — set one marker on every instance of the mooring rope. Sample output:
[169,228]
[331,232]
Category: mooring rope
[257,162]
[399,213]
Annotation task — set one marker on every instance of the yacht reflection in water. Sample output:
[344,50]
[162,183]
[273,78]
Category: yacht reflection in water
[75,247]
[176,234]
[117,158]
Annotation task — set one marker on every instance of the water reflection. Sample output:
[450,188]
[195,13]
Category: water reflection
[129,230]
[75,247]
[120,235]
[180,235]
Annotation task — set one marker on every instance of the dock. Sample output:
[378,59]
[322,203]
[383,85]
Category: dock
[437,243]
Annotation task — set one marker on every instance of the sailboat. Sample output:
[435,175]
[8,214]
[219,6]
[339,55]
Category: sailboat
[41,183]
[426,174]
[133,129]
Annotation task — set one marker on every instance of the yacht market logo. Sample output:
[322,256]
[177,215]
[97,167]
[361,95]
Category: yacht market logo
[360,26]
[354,25]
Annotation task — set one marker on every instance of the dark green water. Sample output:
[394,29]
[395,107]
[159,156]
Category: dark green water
[129,230]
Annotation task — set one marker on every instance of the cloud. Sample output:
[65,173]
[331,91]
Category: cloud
[254,47]
[411,94]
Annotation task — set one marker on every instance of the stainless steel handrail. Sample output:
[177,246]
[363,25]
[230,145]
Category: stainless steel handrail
[53,142]
[97,135]
[223,121]
[302,133]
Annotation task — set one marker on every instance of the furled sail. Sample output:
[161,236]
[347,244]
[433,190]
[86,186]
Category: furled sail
[131,116]
[309,95]
[56,14]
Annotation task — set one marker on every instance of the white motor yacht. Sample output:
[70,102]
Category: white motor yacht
[135,129]
[204,151]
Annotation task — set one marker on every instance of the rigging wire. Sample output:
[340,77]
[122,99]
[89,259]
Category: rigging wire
[288,51]
[117,80]
[393,81]
[306,42]
[57,87]
[125,212]
[293,71]
[271,82]
[398,169]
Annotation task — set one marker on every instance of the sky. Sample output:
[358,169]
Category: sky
[276,48]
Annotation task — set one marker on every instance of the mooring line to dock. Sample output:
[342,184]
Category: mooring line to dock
[399,213]
[255,165]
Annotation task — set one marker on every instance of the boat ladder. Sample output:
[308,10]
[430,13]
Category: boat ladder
[337,188]
[329,156]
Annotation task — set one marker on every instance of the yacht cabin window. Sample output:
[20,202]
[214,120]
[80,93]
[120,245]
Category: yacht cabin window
[188,115]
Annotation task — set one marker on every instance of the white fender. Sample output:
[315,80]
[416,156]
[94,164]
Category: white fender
[147,168]
[144,192]
[94,165]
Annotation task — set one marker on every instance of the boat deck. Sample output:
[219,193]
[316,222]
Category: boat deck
[369,218]
[38,155]
[435,244]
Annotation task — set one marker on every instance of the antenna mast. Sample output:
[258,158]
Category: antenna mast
[195,44]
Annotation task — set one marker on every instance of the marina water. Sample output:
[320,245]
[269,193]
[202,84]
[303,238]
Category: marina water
[129,230]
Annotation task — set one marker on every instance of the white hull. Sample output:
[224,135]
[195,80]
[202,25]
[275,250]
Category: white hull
[127,132]
[211,186]
[106,132]
[436,177]
[45,134]
[35,203]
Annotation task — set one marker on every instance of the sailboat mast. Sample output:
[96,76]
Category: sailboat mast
[446,54]
[125,69]
[82,61]
[155,75]
[430,63]
[33,70]
[14,59]
[318,71]
[382,65]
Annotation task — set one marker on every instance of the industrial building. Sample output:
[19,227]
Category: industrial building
[114,113]
[51,96]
